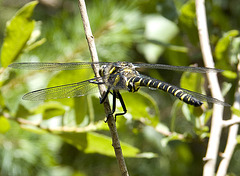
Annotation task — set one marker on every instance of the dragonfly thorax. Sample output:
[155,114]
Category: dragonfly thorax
[117,74]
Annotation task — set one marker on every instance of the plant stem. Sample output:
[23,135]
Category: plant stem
[217,116]
[232,134]
[102,89]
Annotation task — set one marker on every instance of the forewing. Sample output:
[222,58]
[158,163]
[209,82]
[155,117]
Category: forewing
[178,68]
[65,91]
[55,66]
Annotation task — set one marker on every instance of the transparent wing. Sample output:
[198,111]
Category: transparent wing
[83,65]
[55,66]
[202,97]
[177,68]
[65,91]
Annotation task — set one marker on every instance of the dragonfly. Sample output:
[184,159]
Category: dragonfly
[115,76]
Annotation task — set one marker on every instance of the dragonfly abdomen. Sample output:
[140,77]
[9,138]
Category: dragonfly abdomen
[135,82]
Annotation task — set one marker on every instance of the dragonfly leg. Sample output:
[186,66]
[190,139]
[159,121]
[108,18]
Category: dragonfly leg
[102,99]
[113,106]
[119,96]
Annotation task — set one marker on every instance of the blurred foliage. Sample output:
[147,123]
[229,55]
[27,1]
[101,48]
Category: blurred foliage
[160,135]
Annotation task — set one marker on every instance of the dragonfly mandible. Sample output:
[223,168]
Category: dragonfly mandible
[115,76]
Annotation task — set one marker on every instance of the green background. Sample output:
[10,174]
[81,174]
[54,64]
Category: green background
[159,135]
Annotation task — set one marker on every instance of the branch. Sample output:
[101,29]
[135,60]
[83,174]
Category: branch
[23,122]
[102,89]
[168,133]
[216,128]
[232,121]
[232,135]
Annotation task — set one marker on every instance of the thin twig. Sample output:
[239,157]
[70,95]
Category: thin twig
[232,135]
[217,116]
[232,121]
[25,122]
[168,133]
[102,89]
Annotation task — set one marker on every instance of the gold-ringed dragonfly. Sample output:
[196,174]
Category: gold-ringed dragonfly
[115,76]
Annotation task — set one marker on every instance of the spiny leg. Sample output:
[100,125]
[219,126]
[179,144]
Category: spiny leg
[105,95]
[115,96]
[113,106]
[102,99]
[119,96]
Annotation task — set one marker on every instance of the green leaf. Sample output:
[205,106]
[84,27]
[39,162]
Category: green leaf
[218,17]
[157,25]
[192,81]
[97,143]
[80,107]
[18,32]
[238,139]
[50,109]
[221,50]
[142,106]
[187,111]
[97,109]
[229,74]
[187,21]
[226,87]
[68,77]
[22,111]
[235,111]
[4,125]
[234,51]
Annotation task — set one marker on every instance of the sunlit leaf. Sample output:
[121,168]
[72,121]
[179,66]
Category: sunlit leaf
[157,25]
[50,109]
[221,50]
[191,81]
[97,143]
[4,125]
[238,139]
[229,74]
[18,32]
[234,50]
[236,111]
[142,107]
[147,155]
[68,77]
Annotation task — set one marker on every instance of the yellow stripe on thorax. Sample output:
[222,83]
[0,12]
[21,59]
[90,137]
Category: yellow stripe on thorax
[112,70]
[127,70]
[116,80]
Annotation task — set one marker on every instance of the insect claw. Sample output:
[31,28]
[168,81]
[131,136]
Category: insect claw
[108,116]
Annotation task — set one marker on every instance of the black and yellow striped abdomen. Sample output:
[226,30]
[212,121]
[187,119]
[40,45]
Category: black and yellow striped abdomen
[135,82]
